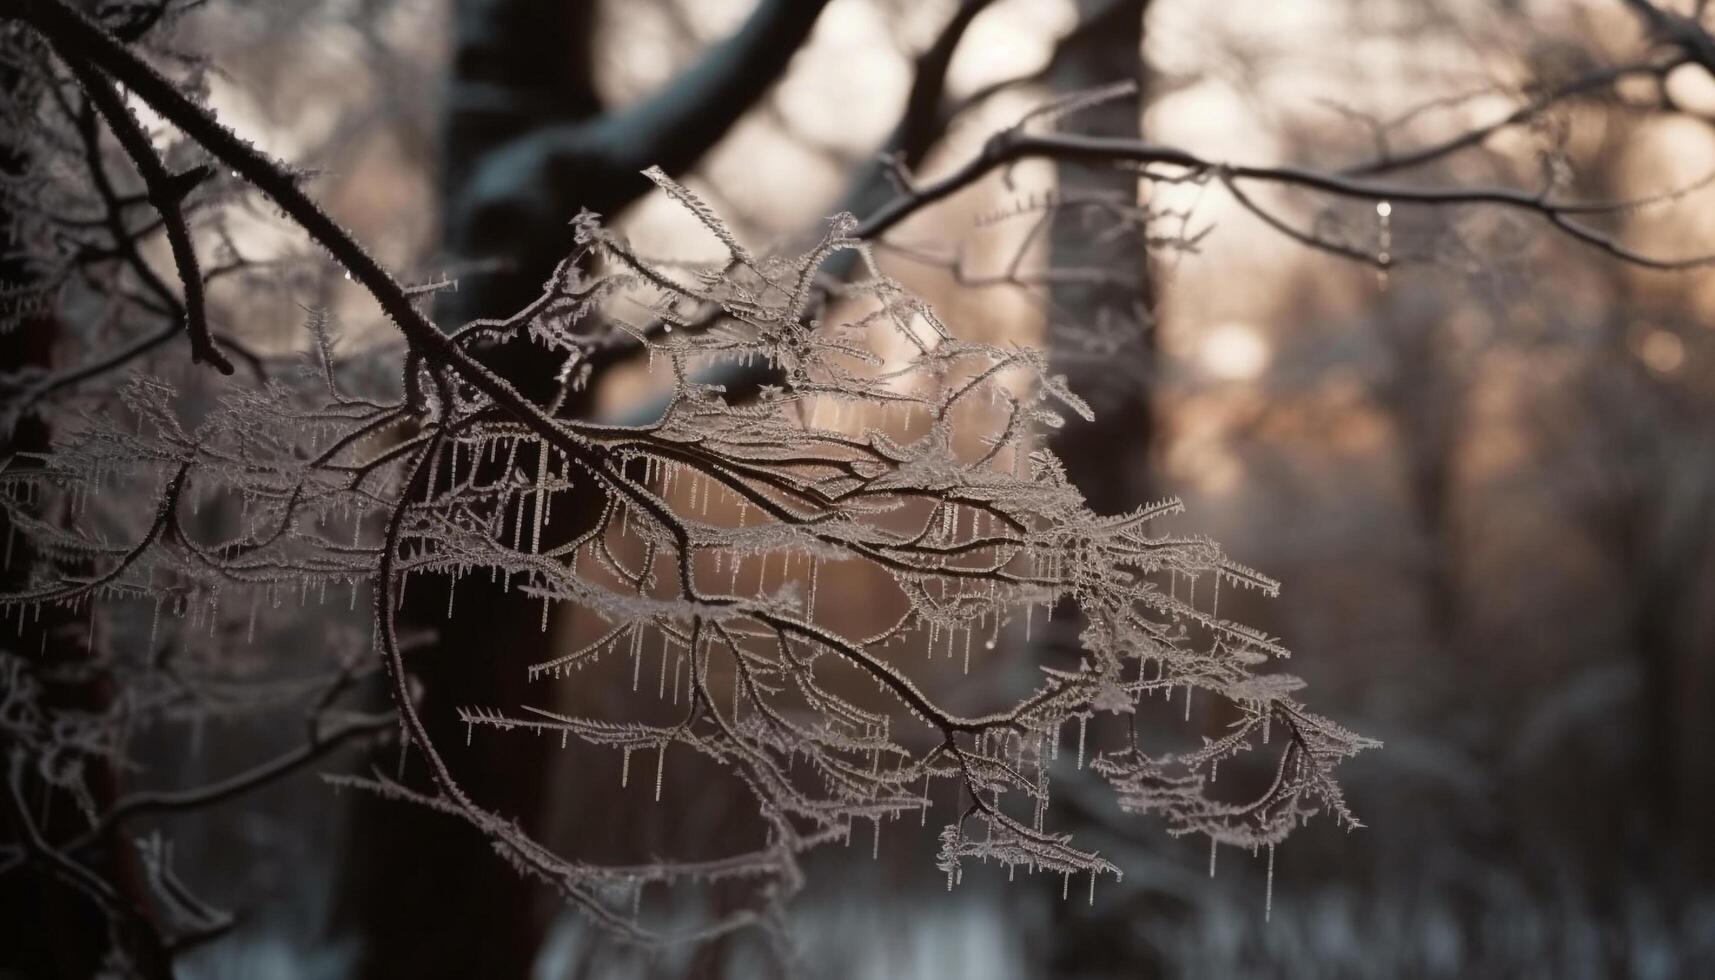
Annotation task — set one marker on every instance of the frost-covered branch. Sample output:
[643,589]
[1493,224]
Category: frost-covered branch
[891,444]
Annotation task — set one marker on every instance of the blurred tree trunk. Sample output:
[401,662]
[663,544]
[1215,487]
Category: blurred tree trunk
[423,896]
[1659,523]
[48,928]
[1101,336]
[1424,395]
[1101,326]
[1653,516]
[1695,667]
[527,145]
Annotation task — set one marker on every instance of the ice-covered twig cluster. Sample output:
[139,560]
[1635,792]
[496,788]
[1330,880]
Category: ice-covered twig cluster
[891,444]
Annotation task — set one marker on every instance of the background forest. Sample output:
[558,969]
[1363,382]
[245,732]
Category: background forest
[1474,444]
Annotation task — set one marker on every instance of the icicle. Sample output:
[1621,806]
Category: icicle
[1213,844]
[1268,893]
[624,766]
[541,516]
[1384,242]
[660,767]
[810,606]
[1083,722]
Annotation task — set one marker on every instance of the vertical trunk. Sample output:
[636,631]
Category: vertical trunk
[1667,575]
[47,927]
[1653,556]
[527,146]
[518,66]
[424,895]
[1101,336]
[1425,396]
[1101,331]
[1696,689]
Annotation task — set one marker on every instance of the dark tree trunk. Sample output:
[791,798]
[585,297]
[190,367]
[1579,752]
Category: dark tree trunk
[1667,577]
[1425,395]
[47,927]
[1101,330]
[527,146]
[1101,336]
[425,895]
